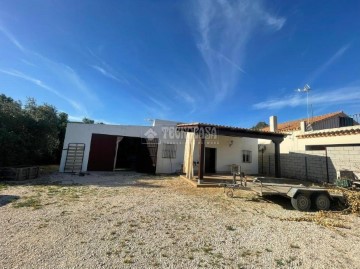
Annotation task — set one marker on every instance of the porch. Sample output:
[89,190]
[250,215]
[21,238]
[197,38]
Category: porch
[209,139]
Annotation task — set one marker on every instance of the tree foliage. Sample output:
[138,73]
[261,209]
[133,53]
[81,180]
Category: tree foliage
[260,125]
[30,134]
[88,121]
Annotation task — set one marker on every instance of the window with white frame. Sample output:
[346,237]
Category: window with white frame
[246,156]
[169,151]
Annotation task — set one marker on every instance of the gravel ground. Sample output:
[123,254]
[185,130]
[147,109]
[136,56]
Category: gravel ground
[126,220]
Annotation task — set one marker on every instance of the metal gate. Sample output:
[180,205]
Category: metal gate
[74,157]
[152,146]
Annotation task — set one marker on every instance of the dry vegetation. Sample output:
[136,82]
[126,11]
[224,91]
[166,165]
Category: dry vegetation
[107,220]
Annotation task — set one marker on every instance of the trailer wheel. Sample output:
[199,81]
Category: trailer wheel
[322,202]
[301,202]
[230,193]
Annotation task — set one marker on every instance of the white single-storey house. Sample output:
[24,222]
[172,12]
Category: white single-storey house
[103,147]
[160,148]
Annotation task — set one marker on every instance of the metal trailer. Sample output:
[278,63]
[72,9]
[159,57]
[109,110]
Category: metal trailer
[302,197]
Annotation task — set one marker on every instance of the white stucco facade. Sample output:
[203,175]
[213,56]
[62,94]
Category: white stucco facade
[82,133]
[229,150]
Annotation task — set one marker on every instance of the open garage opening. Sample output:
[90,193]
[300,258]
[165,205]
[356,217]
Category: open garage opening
[122,153]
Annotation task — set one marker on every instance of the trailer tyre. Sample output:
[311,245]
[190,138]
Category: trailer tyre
[301,202]
[322,202]
[230,193]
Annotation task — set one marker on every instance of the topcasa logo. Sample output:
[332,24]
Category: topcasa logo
[150,134]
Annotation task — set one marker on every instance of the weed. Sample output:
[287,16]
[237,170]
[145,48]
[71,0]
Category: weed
[279,262]
[3,187]
[32,201]
[43,225]
[246,253]
[119,223]
[207,249]
[219,255]
[128,261]
[291,259]
[230,228]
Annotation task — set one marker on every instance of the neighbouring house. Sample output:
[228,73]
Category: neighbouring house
[160,148]
[317,150]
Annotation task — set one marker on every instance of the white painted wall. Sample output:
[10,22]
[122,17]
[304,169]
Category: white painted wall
[81,133]
[227,155]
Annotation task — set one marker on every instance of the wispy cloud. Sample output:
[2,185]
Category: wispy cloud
[327,64]
[44,86]
[49,68]
[188,98]
[160,104]
[223,31]
[11,38]
[341,96]
[28,63]
[107,73]
[106,70]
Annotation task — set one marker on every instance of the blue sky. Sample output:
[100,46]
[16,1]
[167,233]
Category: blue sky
[225,61]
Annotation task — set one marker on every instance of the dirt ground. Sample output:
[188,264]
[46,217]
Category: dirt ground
[127,220]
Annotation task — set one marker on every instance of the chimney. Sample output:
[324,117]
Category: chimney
[303,126]
[273,124]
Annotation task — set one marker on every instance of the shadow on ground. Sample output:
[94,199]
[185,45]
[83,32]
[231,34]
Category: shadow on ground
[284,202]
[7,199]
[99,179]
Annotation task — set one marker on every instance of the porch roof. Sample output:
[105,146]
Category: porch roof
[233,131]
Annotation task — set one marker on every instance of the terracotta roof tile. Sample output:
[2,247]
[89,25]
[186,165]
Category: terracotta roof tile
[295,124]
[350,130]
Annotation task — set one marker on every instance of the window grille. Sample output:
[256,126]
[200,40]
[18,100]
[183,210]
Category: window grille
[169,151]
[246,156]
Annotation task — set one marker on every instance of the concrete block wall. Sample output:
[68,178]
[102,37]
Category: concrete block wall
[344,158]
[311,165]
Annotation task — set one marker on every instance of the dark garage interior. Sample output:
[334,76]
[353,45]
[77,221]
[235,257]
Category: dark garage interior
[111,152]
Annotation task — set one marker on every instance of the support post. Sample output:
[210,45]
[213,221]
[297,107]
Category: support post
[201,159]
[327,166]
[277,159]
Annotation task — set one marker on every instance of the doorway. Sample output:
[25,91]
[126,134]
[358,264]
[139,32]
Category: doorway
[210,160]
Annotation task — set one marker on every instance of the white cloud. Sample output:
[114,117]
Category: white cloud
[275,22]
[223,31]
[160,104]
[108,74]
[183,95]
[11,38]
[77,106]
[327,64]
[106,69]
[342,96]
[49,68]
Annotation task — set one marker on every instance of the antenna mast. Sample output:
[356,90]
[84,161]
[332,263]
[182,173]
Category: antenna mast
[307,89]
